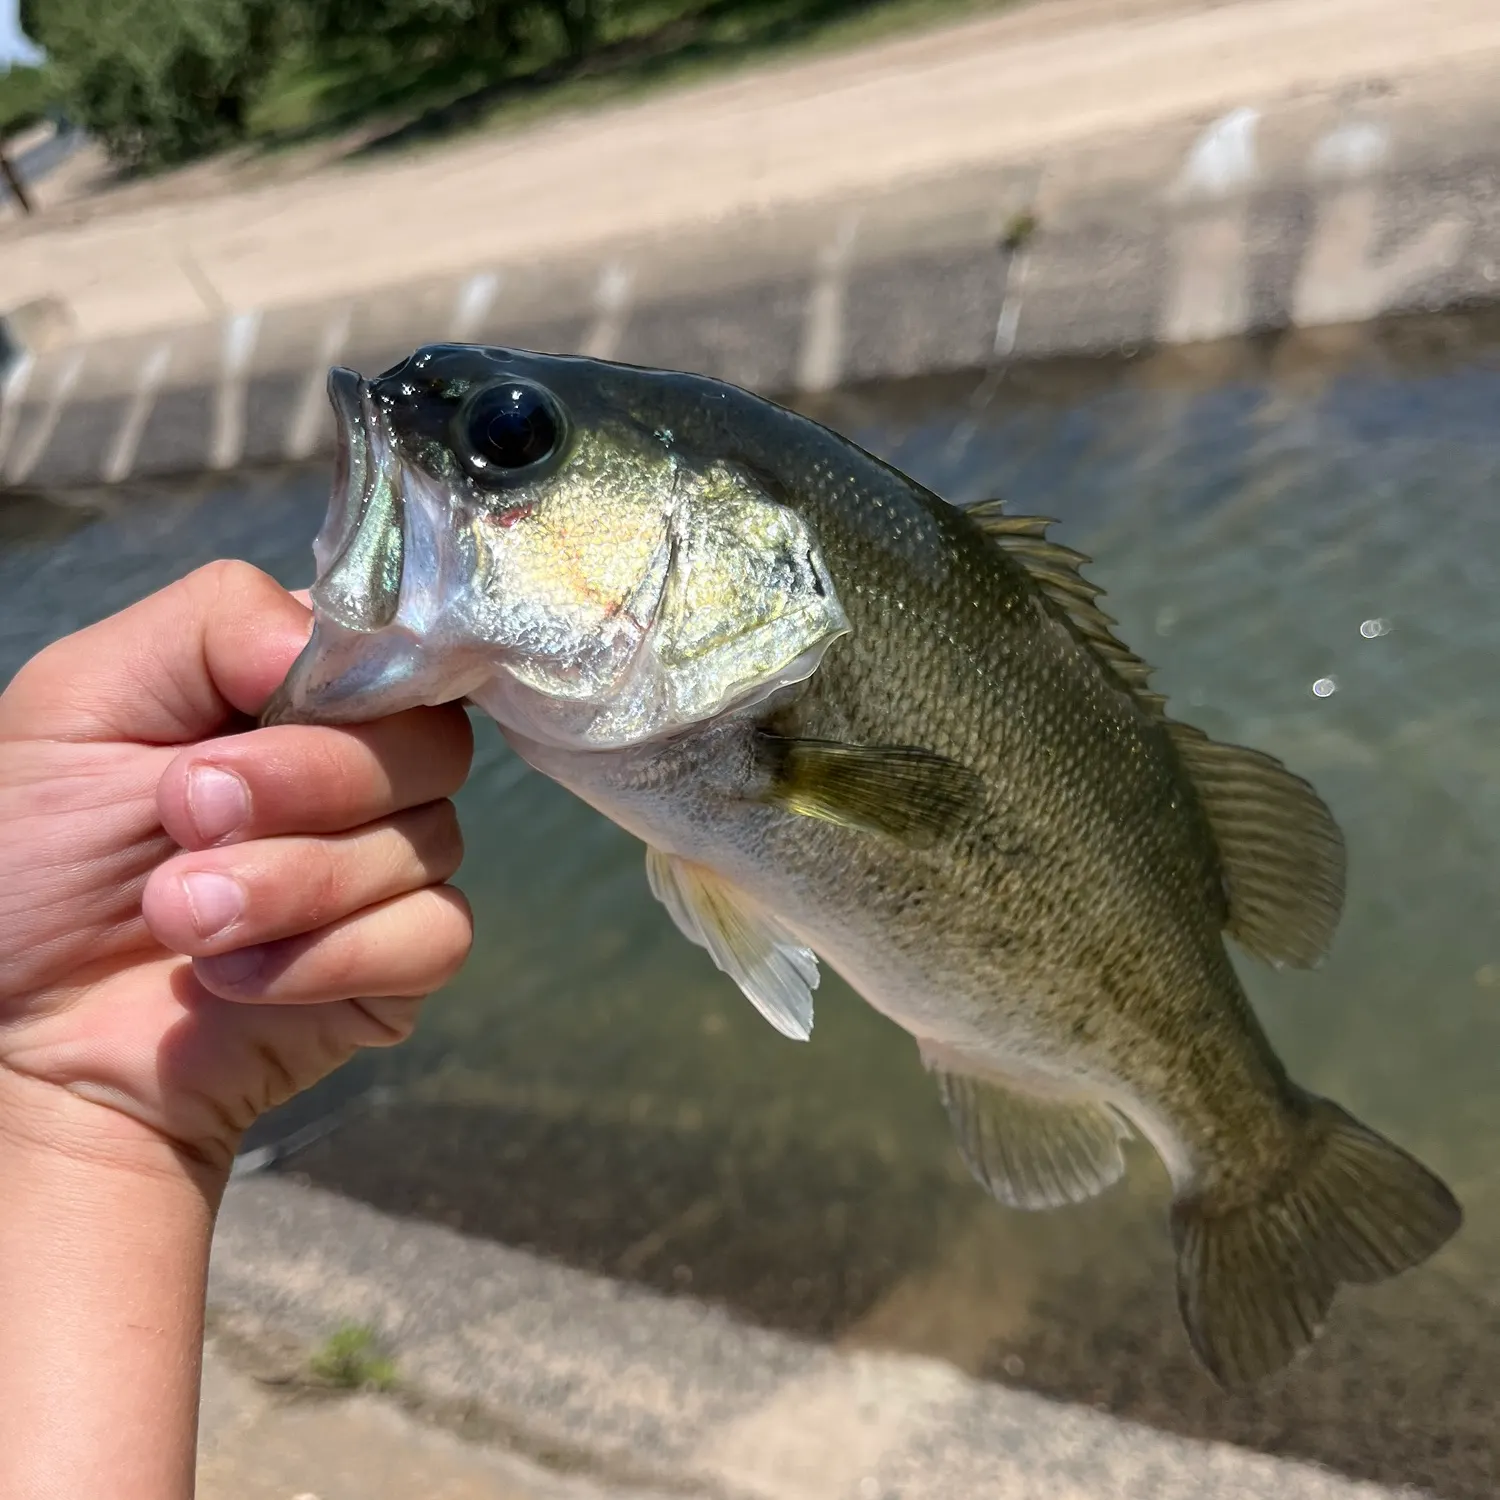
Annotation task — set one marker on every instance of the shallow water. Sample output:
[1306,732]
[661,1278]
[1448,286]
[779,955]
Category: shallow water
[1305,540]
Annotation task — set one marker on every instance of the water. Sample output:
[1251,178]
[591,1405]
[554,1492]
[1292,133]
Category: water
[1305,539]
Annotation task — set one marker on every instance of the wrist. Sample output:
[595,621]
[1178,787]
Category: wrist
[104,1246]
[48,1122]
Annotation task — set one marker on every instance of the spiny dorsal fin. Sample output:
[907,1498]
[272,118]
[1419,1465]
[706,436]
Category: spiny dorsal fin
[1280,852]
[1055,569]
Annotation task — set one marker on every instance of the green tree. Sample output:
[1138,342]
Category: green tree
[424,30]
[157,81]
[582,23]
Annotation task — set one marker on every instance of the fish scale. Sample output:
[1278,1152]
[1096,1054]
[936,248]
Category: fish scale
[859,726]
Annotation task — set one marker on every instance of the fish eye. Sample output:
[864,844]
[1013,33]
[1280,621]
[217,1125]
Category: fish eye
[509,426]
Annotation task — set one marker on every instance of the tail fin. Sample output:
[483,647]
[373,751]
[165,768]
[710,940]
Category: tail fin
[1255,1282]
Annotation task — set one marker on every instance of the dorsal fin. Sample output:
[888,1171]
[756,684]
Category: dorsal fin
[1054,568]
[1281,854]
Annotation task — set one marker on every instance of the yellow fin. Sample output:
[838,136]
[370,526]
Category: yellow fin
[905,793]
[777,973]
[1281,854]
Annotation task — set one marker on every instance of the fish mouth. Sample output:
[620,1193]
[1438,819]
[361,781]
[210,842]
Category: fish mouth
[359,556]
[358,552]
[350,492]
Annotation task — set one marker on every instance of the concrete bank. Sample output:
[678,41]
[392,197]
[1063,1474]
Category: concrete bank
[1331,200]
[636,1395]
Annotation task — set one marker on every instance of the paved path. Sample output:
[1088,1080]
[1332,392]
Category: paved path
[995,89]
[1196,170]
[255,1443]
[647,1396]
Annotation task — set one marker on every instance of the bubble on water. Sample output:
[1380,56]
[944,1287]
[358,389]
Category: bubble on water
[1324,687]
[1014,1366]
[1371,629]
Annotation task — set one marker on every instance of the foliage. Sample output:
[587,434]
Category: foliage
[350,1358]
[486,32]
[158,81]
[26,94]
[432,28]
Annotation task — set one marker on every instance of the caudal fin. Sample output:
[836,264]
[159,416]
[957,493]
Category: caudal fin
[1255,1282]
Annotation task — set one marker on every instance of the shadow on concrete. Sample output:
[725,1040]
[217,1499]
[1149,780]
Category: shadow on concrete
[804,1244]
[855,1249]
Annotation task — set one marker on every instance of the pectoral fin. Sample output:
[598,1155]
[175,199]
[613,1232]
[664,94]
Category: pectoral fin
[905,793]
[1032,1150]
[777,972]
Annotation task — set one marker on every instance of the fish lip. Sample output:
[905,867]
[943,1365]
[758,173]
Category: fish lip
[354,467]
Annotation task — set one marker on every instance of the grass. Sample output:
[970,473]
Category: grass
[399,101]
[350,1358]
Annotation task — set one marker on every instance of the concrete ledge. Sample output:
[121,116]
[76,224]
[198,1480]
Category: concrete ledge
[1316,209]
[638,1392]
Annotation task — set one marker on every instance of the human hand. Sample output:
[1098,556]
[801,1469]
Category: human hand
[199,919]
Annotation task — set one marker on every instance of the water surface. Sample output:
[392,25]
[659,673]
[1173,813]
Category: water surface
[1305,540]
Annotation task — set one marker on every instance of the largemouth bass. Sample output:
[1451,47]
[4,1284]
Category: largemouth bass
[857,725]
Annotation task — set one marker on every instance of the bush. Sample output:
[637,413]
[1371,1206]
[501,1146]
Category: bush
[484,31]
[479,28]
[26,96]
[158,81]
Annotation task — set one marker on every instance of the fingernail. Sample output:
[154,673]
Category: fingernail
[214,901]
[218,802]
[231,968]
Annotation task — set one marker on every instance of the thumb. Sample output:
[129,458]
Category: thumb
[169,670]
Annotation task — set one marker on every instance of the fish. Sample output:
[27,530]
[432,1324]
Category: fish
[857,725]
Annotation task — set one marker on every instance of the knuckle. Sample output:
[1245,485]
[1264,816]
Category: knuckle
[458,938]
[229,575]
[438,839]
[392,1018]
[458,744]
[335,777]
[337,971]
[321,884]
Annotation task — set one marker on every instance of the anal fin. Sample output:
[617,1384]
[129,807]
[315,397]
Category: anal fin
[1030,1149]
[777,973]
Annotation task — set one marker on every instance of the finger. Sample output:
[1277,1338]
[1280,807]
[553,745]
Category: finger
[175,667]
[297,778]
[383,1020]
[221,899]
[408,946]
